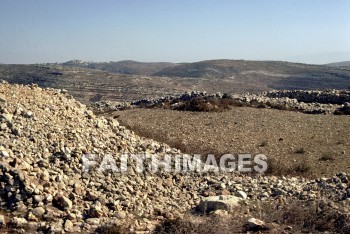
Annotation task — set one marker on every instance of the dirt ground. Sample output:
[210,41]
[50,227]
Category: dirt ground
[313,145]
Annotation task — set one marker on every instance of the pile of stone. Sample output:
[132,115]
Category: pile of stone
[307,101]
[44,186]
[106,106]
[329,96]
[311,102]
[187,96]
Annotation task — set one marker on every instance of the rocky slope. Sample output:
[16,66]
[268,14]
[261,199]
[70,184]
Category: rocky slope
[44,187]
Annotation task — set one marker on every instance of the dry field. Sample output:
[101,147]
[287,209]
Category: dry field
[295,143]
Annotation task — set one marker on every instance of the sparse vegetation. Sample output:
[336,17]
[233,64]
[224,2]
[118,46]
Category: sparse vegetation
[300,151]
[302,168]
[113,229]
[276,167]
[199,104]
[291,216]
[327,157]
[263,143]
[279,106]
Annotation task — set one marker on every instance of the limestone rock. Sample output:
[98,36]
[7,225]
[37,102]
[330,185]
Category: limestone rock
[68,225]
[6,117]
[208,204]
[241,194]
[255,225]
[38,211]
[62,202]
[19,222]
[2,221]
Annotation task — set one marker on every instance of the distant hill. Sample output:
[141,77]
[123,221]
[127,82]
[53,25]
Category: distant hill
[224,68]
[339,64]
[269,74]
[122,67]
[130,80]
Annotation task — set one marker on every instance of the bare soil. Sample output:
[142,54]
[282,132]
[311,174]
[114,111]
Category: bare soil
[295,143]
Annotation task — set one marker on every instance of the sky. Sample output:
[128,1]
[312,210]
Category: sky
[40,31]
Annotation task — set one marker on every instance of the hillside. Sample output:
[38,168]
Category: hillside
[266,74]
[339,64]
[278,75]
[89,85]
[225,76]
[122,67]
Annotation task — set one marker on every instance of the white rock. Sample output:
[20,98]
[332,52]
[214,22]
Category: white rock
[49,198]
[28,114]
[228,202]
[241,194]
[4,154]
[120,214]
[57,227]
[38,211]
[93,221]
[6,117]
[2,221]
[68,225]
[254,224]
[19,222]
[220,212]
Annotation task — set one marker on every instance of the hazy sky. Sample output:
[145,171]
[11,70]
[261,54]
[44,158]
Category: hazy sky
[312,31]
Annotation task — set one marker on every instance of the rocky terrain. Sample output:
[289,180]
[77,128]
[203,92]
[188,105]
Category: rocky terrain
[44,187]
[311,101]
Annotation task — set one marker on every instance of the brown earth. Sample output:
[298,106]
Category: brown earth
[311,145]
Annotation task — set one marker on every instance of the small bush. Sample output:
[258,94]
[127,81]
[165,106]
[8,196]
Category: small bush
[263,143]
[327,157]
[199,104]
[257,104]
[112,229]
[300,151]
[278,106]
[275,167]
[302,168]
[280,216]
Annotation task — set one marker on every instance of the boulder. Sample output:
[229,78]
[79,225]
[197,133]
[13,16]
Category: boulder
[228,202]
[255,225]
[19,222]
[62,202]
